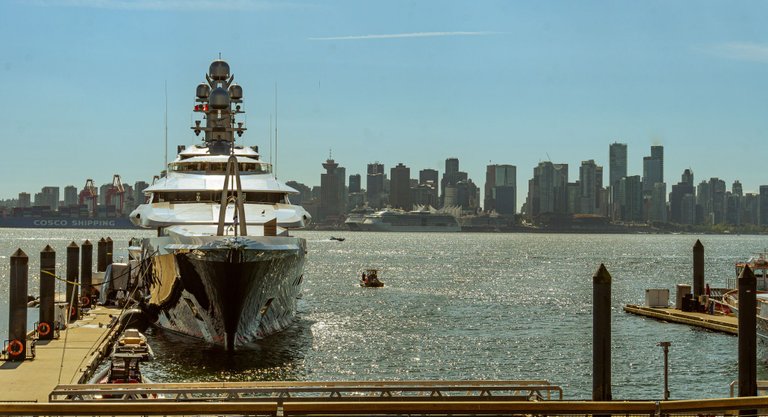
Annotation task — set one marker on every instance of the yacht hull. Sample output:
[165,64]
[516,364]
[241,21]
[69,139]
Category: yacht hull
[227,291]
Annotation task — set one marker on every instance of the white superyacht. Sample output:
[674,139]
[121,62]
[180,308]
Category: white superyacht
[223,267]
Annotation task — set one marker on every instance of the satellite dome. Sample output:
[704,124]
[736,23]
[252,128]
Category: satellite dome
[235,91]
[203,90]
[219,99]
[219,70]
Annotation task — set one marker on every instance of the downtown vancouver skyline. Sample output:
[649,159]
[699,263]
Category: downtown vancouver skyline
[411,82]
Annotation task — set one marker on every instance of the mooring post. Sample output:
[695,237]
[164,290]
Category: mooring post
[17,304]
[747,337]
[86,272]
[698,269]
[601,335]
[101,255]
[110,246]
[46,324]
[665,346]
[73,296]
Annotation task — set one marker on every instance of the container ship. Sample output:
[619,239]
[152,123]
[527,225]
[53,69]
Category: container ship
[88,214]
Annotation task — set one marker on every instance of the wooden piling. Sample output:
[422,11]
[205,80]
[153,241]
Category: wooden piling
[17,317]
[46,323]
[747,284]
[110,247]
[601,335]
[86,271]
[73,295]
[698,269]
[101,255]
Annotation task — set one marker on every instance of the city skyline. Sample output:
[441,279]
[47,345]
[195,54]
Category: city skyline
[489,83]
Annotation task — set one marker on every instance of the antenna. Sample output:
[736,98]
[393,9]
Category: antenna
[270,138]
[274,168]
[165,162]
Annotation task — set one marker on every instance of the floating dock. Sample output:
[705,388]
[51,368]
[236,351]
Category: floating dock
[714,322]
[67,360]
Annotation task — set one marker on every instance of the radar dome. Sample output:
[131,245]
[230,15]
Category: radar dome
[219,70]
[203,90]
[235,91]
[219,99]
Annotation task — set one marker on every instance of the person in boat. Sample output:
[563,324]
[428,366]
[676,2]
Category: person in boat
[364,278]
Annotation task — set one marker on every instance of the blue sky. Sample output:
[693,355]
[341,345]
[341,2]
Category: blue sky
[508,82]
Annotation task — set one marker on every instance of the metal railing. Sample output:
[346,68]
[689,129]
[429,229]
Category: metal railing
[537,390]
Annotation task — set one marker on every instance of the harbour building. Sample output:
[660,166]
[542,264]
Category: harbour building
[617,166]
[400,187]
[501,189]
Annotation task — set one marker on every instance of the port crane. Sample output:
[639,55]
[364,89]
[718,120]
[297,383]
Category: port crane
[116,192]
[90,197]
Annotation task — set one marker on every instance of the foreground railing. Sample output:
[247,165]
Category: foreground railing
[479,407]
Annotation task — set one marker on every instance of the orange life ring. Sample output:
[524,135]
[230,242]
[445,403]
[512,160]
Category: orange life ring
[15,348]
[72,311]
[43,329]
[85,301]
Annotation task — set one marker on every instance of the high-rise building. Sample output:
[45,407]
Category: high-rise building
[617,166]
[427,175]
[400,187]
[589,187]
[717,188]
[70,196]
[548,190]
[679,191]
[355,183]
[138,192]
[762,209]
[375,184]
[451,178]
[631,198]
[50,197]
[331,204]
[25,200]
[687,177]
[501,189]
[653,168]
[737,189]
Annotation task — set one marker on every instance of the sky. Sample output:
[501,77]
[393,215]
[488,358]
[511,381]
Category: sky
[501,82]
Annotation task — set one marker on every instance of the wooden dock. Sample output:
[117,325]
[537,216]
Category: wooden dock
[714,322]
[65,360]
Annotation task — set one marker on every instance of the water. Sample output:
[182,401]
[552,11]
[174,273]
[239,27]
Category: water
[463,306]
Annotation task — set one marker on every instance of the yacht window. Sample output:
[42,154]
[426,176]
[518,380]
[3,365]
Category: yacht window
[215,197]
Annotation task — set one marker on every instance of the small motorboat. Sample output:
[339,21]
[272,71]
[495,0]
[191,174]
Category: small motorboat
[132,342]
[339,239]
[370,278]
